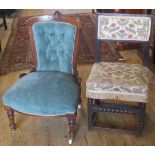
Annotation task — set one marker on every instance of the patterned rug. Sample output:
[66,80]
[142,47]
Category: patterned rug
[18,55]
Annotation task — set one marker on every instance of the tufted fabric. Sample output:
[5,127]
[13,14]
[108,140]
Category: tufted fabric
[54,43]
[131,27]
[127,82]
[44,93]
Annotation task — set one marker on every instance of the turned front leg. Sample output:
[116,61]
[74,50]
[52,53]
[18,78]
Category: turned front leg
[72,127]
[90,113]
[78,79]
[142,107]
[10,113]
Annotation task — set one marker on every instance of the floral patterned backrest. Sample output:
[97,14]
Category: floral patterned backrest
[124,27]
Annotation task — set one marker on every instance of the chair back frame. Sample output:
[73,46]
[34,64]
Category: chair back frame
[58,17]
[98,40]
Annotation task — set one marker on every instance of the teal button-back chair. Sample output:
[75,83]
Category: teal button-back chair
[52,88]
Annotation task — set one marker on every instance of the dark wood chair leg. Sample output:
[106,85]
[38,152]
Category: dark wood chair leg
[79,105]
[78,79]
[72,126]
[142,107]
[4,21]
[90,113]
[10,113]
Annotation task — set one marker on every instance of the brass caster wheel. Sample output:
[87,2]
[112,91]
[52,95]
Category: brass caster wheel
[70,141]
[79,106]
[13,129]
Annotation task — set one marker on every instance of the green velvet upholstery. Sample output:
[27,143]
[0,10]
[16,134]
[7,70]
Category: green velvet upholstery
[54,43]
[44,93]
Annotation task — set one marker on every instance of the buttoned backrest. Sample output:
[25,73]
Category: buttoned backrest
[54,40]
[54,43]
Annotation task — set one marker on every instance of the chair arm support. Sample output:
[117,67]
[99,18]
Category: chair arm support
[23,74]
[78,79]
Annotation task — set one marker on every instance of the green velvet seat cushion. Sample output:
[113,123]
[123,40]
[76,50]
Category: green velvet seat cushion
[44,93]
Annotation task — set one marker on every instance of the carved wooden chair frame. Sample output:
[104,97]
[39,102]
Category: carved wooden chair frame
[60,18]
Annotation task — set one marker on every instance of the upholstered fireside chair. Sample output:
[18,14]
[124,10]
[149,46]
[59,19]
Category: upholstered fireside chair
[109,81]
[52,88]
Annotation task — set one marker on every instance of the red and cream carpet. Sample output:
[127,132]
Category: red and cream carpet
[18,55]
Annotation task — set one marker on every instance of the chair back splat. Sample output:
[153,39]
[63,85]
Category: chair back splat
[115,81]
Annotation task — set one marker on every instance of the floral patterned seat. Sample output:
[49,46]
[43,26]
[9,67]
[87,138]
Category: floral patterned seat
[126,82]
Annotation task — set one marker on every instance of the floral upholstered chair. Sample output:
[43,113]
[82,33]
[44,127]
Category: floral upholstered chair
[52,88]
[119,81]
